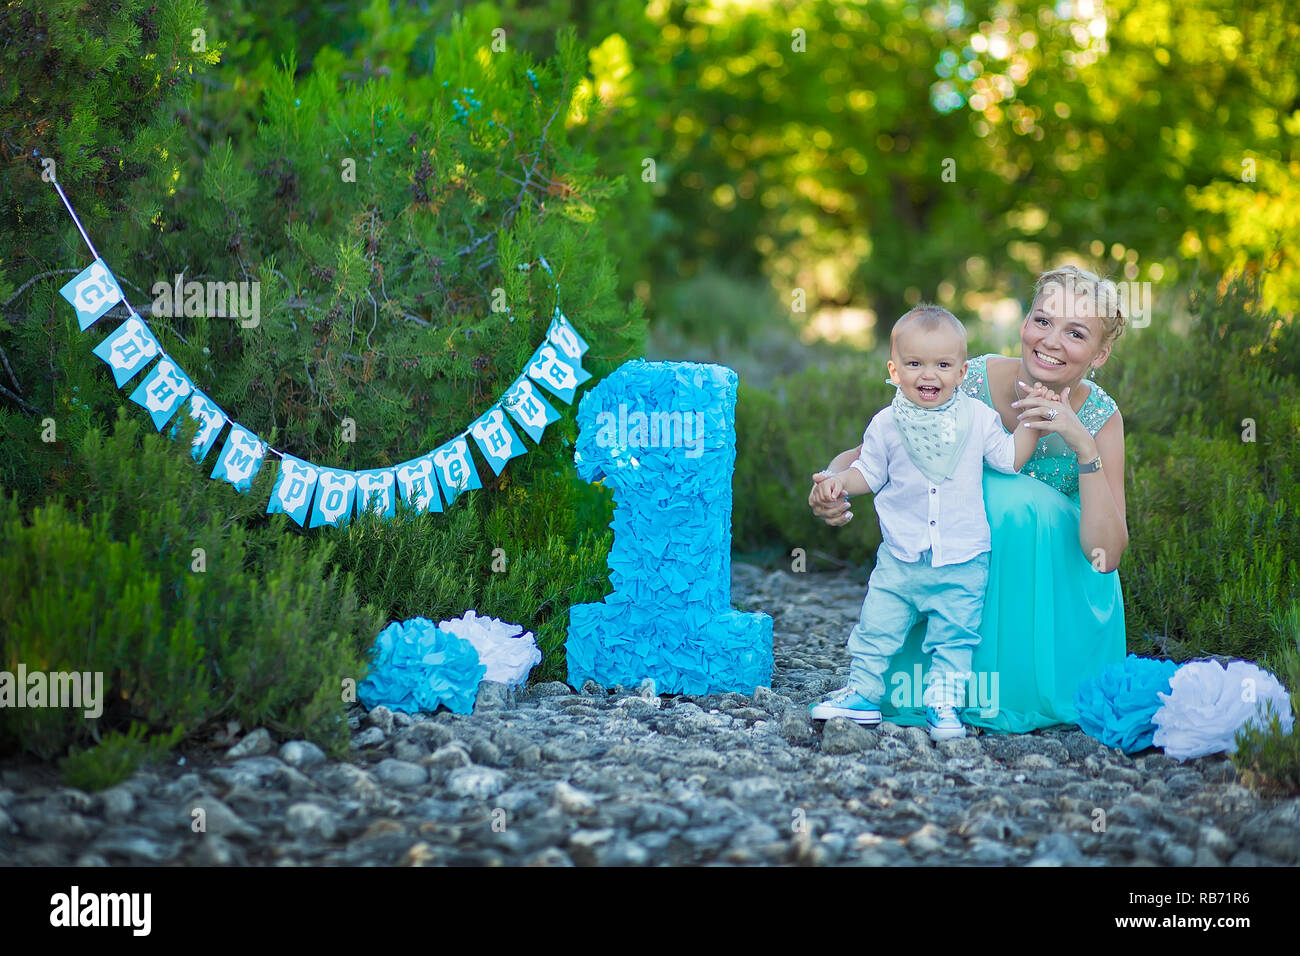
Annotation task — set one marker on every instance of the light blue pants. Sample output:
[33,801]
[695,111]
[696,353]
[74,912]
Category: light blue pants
[951,597]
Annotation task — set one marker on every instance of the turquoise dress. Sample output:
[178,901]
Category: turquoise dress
[1050,618]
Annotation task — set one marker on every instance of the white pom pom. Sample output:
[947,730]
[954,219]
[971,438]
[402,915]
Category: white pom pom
[1209,703]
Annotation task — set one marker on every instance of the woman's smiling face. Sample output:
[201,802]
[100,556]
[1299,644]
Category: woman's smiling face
[1061,336]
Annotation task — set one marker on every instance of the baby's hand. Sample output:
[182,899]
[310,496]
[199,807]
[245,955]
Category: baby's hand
[1039,390]
[830,489]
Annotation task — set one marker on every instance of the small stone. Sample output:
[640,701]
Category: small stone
[797,727]
[750,789]
[572,801]
[347,779]
[918,740]
[115,803]
[218,819]
[406,748]
[583,845]
[1035,762]
[659,817]
[770,701]
[551,856]
[382,718]
[302,754]
[757,834]
[554,688]
[493,696]
[1056,849]
[1216,842]
[400,773]
[450,756]
[370,737]
[484,751]
[927,840]
[253,745]
[1177,855]
[639,707]
[843,736]
[960,747]
[624,853]
[216,850]
[432,733]
[305,820]
[1205,858]
[1118,774]
[136,847]
[478,783]
[420,854]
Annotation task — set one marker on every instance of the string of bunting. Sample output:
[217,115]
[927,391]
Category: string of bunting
[314,493]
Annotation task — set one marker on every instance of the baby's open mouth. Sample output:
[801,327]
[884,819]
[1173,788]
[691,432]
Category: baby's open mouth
[928,391]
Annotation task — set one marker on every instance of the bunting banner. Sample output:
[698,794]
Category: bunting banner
[314,495]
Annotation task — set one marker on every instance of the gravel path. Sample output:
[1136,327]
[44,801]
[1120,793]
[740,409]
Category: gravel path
[551,777]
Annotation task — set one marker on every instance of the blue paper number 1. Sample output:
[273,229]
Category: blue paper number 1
[663,435]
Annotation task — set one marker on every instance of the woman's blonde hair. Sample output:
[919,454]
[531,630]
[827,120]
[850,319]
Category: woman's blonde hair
[1104,293]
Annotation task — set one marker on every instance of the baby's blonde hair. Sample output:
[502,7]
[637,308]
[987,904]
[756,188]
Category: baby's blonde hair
[927,316]
[1103,292]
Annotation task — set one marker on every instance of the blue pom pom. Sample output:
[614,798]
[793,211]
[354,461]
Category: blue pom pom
[1116,706]
[415,666]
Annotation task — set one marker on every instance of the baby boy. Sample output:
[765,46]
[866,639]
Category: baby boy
[922,458]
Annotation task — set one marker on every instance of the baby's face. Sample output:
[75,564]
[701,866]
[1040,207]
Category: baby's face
[929,364]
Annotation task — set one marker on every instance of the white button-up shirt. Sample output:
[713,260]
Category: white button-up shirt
[915,513]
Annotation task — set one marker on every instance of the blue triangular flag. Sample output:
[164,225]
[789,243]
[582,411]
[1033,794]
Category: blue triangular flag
[163,391]
[129,349]
[293,489]
[496,439]
[92,293]
[240,459]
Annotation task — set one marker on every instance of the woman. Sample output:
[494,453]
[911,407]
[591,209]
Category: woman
[1054,611]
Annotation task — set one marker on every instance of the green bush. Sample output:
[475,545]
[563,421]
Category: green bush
[116,757]
[786,433]
[193,612]
[1269,757]
[383,307]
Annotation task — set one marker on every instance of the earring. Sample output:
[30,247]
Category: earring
[1092,372]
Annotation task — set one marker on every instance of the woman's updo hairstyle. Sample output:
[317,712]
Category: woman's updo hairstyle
[1103,292]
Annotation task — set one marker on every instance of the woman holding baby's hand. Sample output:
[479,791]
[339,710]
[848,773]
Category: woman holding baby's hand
[1053,610]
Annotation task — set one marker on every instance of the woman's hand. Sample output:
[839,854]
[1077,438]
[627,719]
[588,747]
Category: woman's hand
[833,509]
[1065,422]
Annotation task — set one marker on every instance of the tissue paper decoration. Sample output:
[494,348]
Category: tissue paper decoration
[663,435]
[1116,707]
[507,651]
[415,666]
[1208,703]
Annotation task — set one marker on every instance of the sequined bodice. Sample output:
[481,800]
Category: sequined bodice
[1052,461]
